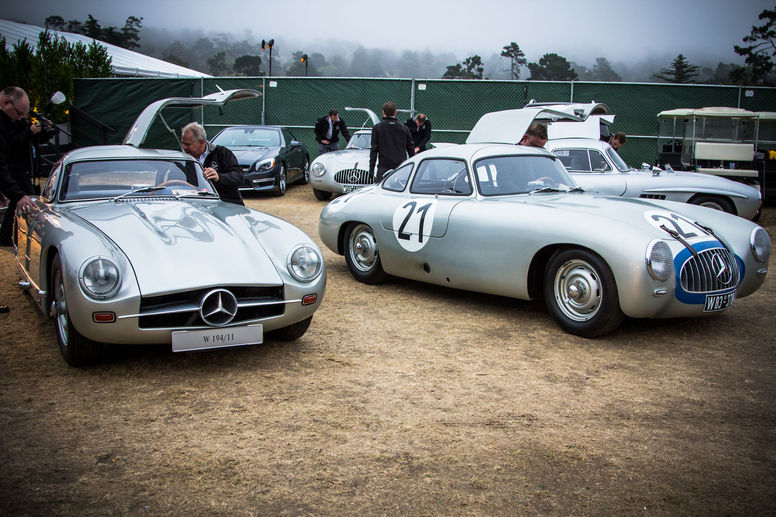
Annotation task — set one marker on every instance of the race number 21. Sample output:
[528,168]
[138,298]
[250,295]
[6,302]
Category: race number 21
[412,223]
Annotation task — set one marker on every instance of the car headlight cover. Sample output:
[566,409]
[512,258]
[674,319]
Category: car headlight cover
[761,244]
[318,169]
[264,165]
[305,263]
[99,278]
[660,260]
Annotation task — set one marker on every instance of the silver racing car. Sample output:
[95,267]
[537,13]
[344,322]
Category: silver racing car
[509,220]
[134,246]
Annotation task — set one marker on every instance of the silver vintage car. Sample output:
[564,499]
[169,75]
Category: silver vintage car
[574,136]
[133,246]
[509,220]
[340,172]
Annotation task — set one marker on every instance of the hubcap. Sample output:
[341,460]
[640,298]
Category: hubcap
[578,290]
[59,309]
[363,248]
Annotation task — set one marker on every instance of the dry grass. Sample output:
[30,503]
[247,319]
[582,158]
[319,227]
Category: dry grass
[400,399]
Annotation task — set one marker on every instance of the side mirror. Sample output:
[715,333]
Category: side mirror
[295,143]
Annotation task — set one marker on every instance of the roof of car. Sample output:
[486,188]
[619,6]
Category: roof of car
[468,151]
[125,152]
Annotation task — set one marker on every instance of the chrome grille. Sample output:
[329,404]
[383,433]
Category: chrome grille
[713,270]
[353,177]
[652,196]
[181,310]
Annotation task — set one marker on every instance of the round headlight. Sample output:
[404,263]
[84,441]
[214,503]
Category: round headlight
[99,278]
[318,169]
[660,260]
[305,263]
[761,244]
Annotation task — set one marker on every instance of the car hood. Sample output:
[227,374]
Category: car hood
[613,214]
[346,159]
[176,245]
[249,155]
[693,182]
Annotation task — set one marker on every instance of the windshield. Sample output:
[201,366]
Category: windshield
[503,175]
[102,179]
[360,141]
[616,160]
[248,137]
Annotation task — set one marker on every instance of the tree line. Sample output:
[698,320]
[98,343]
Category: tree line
[51,63]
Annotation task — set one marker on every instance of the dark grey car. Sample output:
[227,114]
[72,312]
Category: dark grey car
[271,156]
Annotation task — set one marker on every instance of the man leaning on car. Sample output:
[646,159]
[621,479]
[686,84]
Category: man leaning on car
[327,130]
[220,164]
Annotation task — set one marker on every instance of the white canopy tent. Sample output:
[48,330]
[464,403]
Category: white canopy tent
[126,63]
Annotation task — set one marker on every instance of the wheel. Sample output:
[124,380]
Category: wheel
[305,172]
[322,195]
[282,182]
[76,349]
[292,332]
[362,255]
[715,202]
[581,294]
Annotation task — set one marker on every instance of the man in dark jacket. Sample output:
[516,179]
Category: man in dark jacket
[391,142]
[220,164]
[420,128]
[327,130]
[14,106]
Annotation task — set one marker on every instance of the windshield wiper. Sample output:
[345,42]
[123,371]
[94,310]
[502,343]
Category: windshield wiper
[199,193]
[546,189]
[140,190]
[576,189]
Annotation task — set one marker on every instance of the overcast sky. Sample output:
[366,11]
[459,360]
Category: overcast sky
[619,30]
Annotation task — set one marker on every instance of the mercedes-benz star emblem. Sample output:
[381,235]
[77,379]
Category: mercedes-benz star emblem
[218,307]
[724,274]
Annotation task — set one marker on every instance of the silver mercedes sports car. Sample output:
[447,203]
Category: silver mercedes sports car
[340,172]
[134,246]
[509,220]
[574,135]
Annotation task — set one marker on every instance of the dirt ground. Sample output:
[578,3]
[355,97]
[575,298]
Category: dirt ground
[401,399]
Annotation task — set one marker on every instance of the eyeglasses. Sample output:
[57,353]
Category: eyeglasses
[20,114]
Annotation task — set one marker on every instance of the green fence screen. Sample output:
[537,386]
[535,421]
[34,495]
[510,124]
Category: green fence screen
[453,106]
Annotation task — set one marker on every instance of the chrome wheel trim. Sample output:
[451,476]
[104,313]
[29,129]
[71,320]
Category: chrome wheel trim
[578,290]
[363,248]
[59,308]
[713,204]
[282,180]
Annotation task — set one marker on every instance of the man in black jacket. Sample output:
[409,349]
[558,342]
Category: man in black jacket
[420,128]
[391,142]
[14,106]
[220,164]
[327,130]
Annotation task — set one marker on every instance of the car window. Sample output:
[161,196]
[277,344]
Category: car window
[248,137]
[109,178]
[397,181]
[444,176]
[49,189]
[575,160]
[617,160]
[360,141]
[504,175]
[597,161]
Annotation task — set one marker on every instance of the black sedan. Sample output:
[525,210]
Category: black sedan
[271,157]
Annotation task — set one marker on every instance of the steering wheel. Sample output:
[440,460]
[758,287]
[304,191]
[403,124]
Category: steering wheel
[181,183]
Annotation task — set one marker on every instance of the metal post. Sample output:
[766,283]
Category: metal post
[263,98]
[412,99]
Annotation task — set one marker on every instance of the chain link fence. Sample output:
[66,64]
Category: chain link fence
[453,106]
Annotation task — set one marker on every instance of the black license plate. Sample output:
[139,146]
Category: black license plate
[718,302]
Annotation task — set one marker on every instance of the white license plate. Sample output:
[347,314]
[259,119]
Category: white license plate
[351,188]
[189,340]
[718,302]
